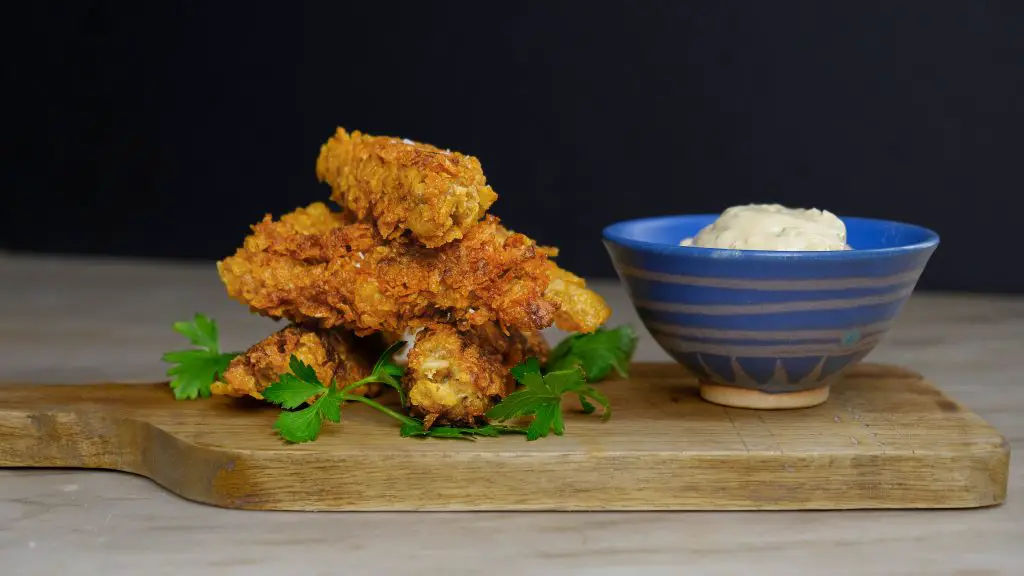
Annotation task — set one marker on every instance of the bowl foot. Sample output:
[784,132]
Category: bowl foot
[735,397]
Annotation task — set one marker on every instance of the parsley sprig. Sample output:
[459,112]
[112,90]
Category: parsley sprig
[196,368]
[596,354]
[541,397]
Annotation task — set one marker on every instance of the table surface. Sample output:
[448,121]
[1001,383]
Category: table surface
[88,320]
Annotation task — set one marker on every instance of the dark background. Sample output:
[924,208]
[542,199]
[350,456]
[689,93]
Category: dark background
[164,129]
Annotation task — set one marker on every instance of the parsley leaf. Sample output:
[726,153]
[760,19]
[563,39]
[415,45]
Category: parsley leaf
[195,369]
[596,354]
[541,397]
[303,371]
[291,391]
[201,332]
[304,425]
[297,388]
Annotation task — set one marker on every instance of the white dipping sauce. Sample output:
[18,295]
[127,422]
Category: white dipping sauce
[773,227]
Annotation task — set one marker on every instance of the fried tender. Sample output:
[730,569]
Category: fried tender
[452,380]
[400,185]
[455,377]
[312,267]
[333,354]
[579,308]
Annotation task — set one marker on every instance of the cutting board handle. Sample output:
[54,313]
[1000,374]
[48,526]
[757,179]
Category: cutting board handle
[87,426]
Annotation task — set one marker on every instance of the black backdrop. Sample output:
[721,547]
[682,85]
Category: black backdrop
[164,129]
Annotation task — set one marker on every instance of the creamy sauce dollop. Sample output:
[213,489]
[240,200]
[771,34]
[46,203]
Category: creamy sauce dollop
[773,227]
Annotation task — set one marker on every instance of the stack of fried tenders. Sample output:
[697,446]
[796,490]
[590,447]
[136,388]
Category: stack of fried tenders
[413,253]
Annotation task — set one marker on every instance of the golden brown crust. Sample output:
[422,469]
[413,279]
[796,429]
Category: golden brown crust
[579,308]
[400,185]
[333,354]
[452,380]
[455,377]
[310,267]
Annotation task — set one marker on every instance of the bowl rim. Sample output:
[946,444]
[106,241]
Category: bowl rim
[613,233]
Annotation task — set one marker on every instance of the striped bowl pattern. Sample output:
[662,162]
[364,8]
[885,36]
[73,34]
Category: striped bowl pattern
[769,321]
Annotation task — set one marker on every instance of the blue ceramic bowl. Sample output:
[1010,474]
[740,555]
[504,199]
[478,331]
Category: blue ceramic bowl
[764,322]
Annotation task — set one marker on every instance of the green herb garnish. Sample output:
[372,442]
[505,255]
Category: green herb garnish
[596,354]
[195,369]
[541,397]
[576,362]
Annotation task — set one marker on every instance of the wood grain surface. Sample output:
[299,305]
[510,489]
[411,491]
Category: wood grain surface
[887,438]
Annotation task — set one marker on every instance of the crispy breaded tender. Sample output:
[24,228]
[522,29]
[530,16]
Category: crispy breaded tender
[310,267]
[437,195]
[579,308]
[455,377]
[452,380]
[333,354]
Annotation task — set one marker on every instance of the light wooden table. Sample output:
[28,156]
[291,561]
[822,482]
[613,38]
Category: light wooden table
[67,320]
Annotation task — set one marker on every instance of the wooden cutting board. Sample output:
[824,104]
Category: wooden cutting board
[886,438]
